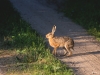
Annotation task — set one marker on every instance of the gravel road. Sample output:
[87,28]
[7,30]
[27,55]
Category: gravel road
[86,55]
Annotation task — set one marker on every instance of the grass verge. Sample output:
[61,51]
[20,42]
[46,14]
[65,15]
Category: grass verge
[26,50]
[86,13]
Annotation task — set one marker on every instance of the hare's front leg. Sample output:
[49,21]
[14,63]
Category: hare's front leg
[54,51]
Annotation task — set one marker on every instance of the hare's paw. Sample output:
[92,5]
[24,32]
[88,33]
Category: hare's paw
[69,54]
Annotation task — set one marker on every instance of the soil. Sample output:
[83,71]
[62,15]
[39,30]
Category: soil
[86,55]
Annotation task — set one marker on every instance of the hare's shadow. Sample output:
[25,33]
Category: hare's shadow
[87,53]
[79,54]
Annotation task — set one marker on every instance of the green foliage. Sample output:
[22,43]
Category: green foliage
[85,13]
[32,56]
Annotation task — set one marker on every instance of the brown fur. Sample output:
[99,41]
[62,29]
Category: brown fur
[56,42]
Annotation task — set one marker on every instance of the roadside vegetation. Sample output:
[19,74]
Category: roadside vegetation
[30,56]
[85,13]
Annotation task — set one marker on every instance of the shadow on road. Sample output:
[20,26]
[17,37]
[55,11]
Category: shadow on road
[79,54]
[87,53]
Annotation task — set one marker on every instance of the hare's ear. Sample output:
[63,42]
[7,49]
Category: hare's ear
[53,29]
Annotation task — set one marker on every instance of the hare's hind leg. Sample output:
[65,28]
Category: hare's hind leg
[72,48]
[65,51]
[68,50]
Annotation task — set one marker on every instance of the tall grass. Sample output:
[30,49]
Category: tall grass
[84,12]
[31,54]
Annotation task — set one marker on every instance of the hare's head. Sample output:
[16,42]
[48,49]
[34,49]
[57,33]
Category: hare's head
[51,34]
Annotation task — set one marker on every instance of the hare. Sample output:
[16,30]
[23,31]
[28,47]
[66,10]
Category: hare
[56,42]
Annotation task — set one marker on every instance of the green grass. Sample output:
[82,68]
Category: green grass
[86,13]
[32,57]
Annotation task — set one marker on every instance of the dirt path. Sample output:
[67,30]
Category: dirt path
[86,56]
